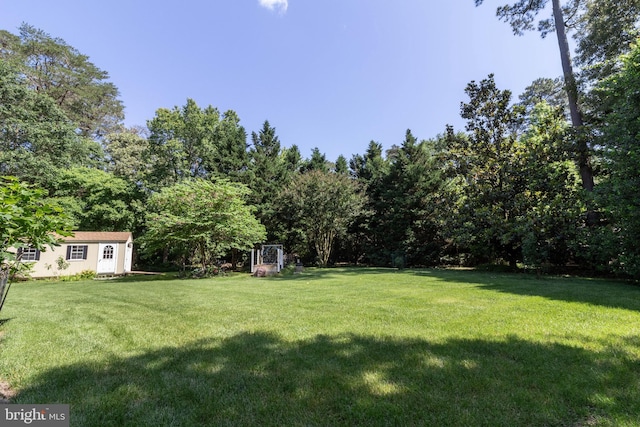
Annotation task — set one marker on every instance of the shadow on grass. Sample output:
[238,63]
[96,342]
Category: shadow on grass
[261,379]
[608,293]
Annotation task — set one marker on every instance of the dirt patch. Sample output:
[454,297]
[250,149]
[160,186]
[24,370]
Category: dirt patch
[6,393]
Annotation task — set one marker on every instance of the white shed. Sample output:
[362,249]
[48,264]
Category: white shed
[104,252]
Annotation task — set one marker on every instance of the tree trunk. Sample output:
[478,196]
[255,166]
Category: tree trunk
[323,244]
[234,258]
[4,285]
[584,165]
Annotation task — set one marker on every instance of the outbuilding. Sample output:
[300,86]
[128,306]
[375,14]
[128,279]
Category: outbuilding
[103,252]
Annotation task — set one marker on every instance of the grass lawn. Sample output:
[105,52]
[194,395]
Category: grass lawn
[328,347]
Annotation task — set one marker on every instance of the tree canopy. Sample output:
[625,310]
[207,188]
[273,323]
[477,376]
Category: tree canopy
[26,221]
[201,220]
[322,204]
[505,189]
[80,89]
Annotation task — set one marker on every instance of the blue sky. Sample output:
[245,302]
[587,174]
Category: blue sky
[332,74]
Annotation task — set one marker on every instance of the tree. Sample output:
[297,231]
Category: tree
[367,235]
[406,214]
[521,16]
[322,205]
[292,159]
[27,221]
[546,90]
[487,210]
[36,137]
[369,166]
[266,176]
[194,142]
[182,143]
[606,29]
[514,194]
[97,200]
[50,66]
[230,157]
[620,94]
[551,200]
[200,220]
[317,162]
[128,155]
[341,165]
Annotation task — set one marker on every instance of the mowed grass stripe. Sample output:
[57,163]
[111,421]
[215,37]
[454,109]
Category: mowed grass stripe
[329,347]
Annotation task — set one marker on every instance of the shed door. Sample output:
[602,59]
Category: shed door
[107,257]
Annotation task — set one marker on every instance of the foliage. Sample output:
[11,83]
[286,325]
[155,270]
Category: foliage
[341,165]
[128,154]
[201,220]
[82,276]
[292,158]
[619,140]
[606,29]
[267,174]
[191,142]
[26,221]
[365,242]
[231,158]
[546,90]
[521,16]
[317,162]
[61,264]
[37,139]
[552,197]
[505,190]
[321,205]
[487,211]
[97,200]
[50,66]
[408,227]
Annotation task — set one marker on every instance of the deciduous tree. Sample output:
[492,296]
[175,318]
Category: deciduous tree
[194,142]
[26,221]
[182,142]
[128,155]
[487,209]
[200,220]
[322,205]
[97,200]
[621,149]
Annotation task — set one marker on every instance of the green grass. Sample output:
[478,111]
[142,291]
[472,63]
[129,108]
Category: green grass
[329,347]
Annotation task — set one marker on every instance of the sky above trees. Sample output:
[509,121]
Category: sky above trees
[332,74]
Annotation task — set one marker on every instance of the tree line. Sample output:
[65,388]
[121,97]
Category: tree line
[513,187]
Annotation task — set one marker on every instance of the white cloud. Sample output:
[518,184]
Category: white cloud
[279,5]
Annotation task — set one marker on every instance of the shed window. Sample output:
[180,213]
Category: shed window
[107,252]
[76,252]
[29,254]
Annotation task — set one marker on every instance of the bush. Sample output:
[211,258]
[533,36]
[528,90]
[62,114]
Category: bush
[83,275]
[86,274]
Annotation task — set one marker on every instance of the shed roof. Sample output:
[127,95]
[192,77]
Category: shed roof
[99,236]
